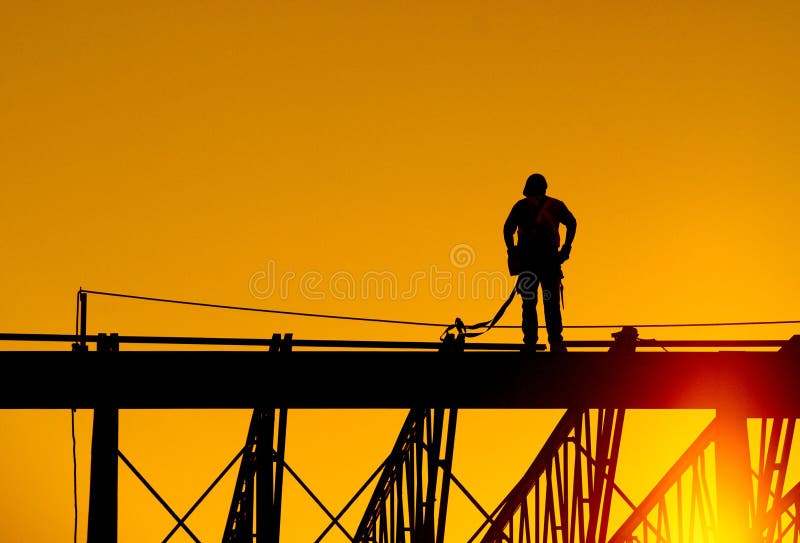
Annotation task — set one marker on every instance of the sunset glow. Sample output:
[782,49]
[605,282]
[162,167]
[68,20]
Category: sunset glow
[359,158]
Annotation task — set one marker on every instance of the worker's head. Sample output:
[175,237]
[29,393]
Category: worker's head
[536,185]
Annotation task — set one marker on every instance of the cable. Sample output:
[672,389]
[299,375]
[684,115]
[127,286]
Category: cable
[419,323]
[74,479]
[260,310]
[669,325]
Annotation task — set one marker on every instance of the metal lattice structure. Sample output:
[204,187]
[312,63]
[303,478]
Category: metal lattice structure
[774,515]
[260,477]
[565,495]
[679,507]
[410,500]
[682,508]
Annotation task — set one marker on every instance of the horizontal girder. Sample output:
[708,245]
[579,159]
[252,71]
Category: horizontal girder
[756,384]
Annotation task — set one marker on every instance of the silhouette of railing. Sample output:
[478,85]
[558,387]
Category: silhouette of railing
[115,340]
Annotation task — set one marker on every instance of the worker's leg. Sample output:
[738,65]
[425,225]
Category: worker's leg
[551,300]
[527,287]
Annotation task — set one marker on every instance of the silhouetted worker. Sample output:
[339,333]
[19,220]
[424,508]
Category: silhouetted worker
[537,257]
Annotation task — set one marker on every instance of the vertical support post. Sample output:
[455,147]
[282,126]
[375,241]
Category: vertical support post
[280,344]
[428,531]
[265,430]
[415,478]
[279,474]
[108,343]
[734,489]
[447,465]
[610,467]
[83,299]
[80,341]
[104,477]
[239,526]
[275,343]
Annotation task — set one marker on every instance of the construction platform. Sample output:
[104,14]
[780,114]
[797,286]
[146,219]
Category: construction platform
[755,383]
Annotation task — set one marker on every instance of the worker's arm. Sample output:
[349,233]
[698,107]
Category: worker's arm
[509,229]
[568,220]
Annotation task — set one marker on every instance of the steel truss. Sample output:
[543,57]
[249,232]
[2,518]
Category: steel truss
[403,505]
[565,495]
[681,506]
[401,508]
[260,480]
[775,513]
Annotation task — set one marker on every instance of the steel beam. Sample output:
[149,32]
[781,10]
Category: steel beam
[761,384]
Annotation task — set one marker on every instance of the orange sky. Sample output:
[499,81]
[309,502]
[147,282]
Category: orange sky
[189,150]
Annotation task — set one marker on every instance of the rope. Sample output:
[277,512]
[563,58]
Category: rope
[674,325]
[486,325]
[261,310]
[420,323]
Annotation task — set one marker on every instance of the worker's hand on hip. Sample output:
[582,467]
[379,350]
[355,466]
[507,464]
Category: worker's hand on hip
[563,253]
